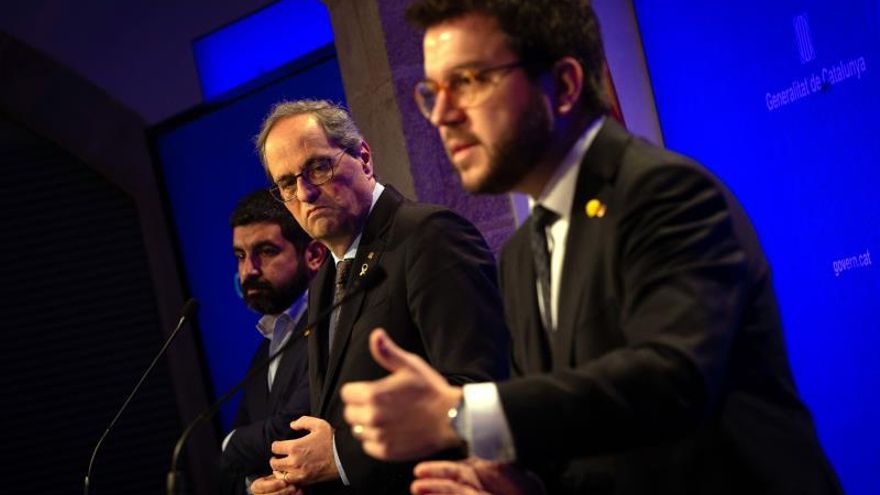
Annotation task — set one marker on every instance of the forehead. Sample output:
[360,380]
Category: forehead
[246,236]
[469,40]
[295,137]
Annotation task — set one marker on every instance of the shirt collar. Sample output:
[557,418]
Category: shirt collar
[351,252]
[266,325]
[558,193]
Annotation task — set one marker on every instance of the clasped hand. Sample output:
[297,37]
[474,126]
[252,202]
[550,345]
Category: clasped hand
[302,461]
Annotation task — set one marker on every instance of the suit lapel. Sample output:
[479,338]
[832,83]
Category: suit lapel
[258,388]
[585,232]
[286,366]
[369,252]
[320,297]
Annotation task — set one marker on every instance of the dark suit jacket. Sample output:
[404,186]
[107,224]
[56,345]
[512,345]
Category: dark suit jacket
[265,416]
[439,300]
[668,372]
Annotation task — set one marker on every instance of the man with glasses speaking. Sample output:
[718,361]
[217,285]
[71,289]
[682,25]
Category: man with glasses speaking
[439,299]
[647,347]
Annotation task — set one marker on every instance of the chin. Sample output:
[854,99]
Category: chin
[321,227]
[488,182]
[470,183]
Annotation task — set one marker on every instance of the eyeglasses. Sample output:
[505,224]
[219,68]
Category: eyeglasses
[317,172]
[465,88]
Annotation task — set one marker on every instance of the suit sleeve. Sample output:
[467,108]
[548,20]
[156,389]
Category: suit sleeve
[453,302]
[682,276]
[250,448]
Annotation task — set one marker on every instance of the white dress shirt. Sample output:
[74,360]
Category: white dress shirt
[489,436]
[351,253]
[278,329]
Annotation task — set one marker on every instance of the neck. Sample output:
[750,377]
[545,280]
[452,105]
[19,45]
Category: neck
[567,132]
[286,308]
[338,246]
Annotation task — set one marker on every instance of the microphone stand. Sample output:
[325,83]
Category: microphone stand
[188,310]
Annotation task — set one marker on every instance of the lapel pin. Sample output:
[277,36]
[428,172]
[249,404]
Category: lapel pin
[363,270]
[595,208]
[370,255]
[307,332]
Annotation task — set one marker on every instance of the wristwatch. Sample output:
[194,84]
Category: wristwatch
[458,419]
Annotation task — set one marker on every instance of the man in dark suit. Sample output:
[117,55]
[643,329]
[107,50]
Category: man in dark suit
[647,344]
[276,261]
[439,297]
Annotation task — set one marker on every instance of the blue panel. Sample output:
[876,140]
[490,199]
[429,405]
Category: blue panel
[260,43]
[209,163]
[781,100]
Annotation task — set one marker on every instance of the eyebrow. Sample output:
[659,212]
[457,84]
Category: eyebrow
[288,176]
[259,245]
[285,177]
[267,243]
[473,65]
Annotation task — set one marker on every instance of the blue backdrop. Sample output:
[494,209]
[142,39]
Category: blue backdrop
[781,100]
[259,43]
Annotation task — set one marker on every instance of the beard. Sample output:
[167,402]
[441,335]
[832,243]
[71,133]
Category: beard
[518,151]
[271,300]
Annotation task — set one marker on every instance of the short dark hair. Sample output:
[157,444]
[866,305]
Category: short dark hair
[260,207]
[540,32]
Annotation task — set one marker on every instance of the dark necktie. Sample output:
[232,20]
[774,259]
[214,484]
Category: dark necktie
[541,218]
[343,268]
[278,333]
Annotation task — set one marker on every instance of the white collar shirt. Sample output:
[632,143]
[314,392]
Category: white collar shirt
[558,196]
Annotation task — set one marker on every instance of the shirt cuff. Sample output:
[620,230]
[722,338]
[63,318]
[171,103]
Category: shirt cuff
[486,430]
[339,464]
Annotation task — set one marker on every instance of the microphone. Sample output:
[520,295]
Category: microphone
[370,280]
[186,313]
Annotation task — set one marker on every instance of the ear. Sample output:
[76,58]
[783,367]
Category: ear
[366,159]
[568,79]
[314,256]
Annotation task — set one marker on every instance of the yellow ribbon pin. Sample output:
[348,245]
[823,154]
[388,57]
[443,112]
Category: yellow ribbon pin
[595,208]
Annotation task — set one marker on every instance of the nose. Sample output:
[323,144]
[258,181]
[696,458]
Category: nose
[445,112]
[305,191]
[249,266]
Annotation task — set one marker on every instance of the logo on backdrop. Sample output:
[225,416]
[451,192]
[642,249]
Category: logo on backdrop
[822,80]
[804,38]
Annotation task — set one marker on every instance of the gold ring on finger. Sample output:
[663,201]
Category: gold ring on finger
[357,431]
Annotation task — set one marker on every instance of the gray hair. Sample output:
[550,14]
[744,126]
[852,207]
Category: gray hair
[334,119]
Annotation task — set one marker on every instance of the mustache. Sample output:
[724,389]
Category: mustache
[461,136]
[255,283]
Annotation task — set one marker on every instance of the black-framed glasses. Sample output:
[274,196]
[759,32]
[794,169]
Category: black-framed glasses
[316,172]
[465,88]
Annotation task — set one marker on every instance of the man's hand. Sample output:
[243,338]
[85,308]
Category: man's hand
[269,485]
[474,477]
[308,459]
[404,415]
